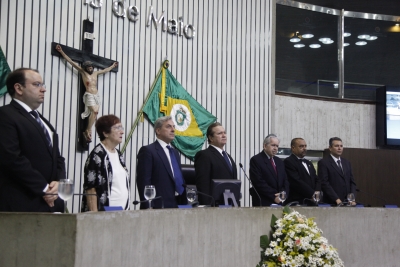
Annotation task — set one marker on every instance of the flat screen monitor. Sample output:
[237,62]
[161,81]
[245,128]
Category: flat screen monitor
[218,187]
[388,116]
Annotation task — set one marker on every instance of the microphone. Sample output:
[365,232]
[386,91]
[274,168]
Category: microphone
[135,202]
[241,166]
[201,193]
[375,196]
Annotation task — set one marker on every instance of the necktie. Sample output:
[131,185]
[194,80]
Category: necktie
[177,171]
[304,163]
[227,160]
[46,133]
[340,166]
[273,164]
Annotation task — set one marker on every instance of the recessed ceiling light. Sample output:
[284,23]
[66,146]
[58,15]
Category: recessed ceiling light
[363,36]
[361,43]
[347,34]
[308,35]
[323,40]
[328,42]
[295,39]
[298,45]
[346,44]
[371,38]
[315,45]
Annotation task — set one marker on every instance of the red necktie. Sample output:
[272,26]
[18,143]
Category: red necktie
[273,164]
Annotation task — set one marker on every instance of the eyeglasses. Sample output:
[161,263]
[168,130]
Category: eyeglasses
[38,85]
[118,128]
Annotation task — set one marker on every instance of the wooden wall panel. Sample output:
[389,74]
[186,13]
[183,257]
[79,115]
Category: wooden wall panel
[226,67]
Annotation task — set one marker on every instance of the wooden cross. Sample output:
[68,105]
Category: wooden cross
[81,56]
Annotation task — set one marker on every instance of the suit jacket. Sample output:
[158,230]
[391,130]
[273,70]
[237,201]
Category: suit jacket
[265,180]
[209,164]
[153,168]
[334,183]
[27,164]
[302,184]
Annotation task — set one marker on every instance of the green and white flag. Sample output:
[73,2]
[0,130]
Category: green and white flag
[4,71]
[168,97]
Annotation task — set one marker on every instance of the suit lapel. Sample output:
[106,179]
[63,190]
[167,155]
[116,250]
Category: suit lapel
[269,166]
[164,159]
[34,123]
[220,158]
[336,167]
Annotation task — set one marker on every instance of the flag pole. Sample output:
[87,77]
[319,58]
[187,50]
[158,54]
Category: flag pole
[140,113]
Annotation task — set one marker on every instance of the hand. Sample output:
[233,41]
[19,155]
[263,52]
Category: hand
[115,64]
[58,48]
[353,203]
[339,202]
[277,200]
[51,193]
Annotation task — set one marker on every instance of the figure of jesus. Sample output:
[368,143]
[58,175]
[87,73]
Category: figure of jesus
[91,98]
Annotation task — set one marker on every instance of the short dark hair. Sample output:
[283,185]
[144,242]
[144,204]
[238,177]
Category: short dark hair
[334,139]
[16,76]
[87,64]
[104,124]
[294,140]
[210,129]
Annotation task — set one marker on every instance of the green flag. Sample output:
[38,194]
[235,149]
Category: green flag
[4,70]
[190,118]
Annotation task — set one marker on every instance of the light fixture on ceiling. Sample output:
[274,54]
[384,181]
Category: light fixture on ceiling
[363,36]
[295,38]
[307,35]
[299,45]
[346,34]
[371,38]
[315,45]
[361,43]
[346,44]
[326,40]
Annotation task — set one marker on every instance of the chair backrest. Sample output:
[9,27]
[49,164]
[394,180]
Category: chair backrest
[189,174]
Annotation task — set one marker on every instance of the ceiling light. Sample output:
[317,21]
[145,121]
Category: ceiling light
[315,45]
[298,45]
[371,38]
[346,34]
[361,43]
[330,41]
[295,39]
[346,44]
[308,35]
[363,36]
[323,40]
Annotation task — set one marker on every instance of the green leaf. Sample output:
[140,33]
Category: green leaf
[264,242]
[273,220]
[286,210]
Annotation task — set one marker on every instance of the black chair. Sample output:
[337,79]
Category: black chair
[189,175]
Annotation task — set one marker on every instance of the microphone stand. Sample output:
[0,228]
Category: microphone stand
[384,201]
[201,193]
[135,202]
[241,166]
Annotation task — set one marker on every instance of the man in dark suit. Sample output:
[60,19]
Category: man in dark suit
[159,164]
[31,164]
[336,175]
[303,179]
[267,173]
[213,162]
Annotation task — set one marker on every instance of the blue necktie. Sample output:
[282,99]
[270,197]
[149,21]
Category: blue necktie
[227,160]
[46,133]
[177,171]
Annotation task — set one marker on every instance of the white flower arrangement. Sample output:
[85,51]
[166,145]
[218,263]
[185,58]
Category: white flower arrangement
[297,242]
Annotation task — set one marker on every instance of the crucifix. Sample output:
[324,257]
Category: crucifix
[91,100]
